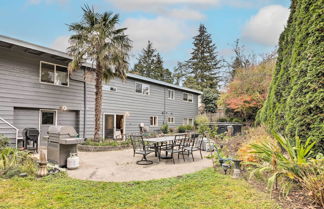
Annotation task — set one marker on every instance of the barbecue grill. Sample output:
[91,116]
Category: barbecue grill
[62,140]
[30,135]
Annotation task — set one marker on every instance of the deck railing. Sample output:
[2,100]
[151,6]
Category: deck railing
[13,127]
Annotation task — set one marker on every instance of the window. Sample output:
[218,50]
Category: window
[48,118]
[188,121]
[54,74]
[142,88]
[154,121]
[47,73]
[109,88]
[170,94]
[187,97]
[171,120]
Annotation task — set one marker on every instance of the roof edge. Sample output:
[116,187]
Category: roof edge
[55,52]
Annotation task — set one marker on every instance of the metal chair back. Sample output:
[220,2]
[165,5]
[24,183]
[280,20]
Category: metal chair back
[138,143]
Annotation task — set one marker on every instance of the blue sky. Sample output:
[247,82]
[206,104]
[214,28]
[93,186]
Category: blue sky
[169,24]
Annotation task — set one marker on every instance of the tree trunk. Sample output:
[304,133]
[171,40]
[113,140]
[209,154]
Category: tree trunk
[99,77]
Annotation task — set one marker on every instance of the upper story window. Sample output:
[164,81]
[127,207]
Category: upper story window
[142,88]
[54,74]
[187,97]
[109,88]
[154,121]
[170,94]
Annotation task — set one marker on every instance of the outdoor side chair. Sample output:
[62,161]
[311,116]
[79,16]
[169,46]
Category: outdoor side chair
[193,144]
[140,148]
[174,147]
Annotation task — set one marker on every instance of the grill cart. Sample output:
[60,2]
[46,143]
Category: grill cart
[62,141]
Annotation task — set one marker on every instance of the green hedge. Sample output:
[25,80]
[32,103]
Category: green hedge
[295,102]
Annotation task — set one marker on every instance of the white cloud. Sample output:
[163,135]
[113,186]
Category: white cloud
[157,5]
[247,3]
[265,27]
[61,43]
[62,2]
[185,13]
[164,33]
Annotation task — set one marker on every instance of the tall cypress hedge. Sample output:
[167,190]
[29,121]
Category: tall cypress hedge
[295,104]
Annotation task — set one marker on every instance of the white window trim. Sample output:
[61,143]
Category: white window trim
[173,94]
[149,92]
[188,97]
[157,121]
[173,120]
[53,84]
[186,121]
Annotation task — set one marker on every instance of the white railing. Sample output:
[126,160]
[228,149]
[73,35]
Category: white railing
[12,126]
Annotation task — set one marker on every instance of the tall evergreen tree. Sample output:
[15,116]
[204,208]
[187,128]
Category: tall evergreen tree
[180,72]
[146,61]
[150,64]
[295,104]
[204,64]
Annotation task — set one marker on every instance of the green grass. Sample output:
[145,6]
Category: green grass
[204,189]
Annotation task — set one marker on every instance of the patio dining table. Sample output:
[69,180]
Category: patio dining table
[158,140]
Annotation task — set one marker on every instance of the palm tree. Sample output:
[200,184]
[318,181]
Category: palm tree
[97,39]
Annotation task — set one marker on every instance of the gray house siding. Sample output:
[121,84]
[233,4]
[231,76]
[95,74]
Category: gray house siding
[22,97]
[20,88]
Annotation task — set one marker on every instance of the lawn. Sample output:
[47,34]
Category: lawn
[204,189]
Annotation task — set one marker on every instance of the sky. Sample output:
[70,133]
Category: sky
[169,24]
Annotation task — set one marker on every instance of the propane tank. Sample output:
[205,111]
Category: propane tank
[73,161]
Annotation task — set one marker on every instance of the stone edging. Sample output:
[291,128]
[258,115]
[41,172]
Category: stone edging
[89,148]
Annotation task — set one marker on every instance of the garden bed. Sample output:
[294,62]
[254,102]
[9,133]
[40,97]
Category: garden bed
[102,146]
[91,148]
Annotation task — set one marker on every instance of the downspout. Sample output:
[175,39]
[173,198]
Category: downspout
[84,100]
[164,106]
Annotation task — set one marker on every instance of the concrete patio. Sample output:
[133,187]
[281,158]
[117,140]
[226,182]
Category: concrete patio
[120,166]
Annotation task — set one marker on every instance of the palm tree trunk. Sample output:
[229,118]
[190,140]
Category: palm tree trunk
[99,77]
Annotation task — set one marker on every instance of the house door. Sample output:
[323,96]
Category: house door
[114,126]
[47,118]
[109,126]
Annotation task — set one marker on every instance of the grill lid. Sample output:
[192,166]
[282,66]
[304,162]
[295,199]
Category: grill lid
[62,130]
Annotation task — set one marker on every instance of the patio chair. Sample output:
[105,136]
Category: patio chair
[140,148]
[174,147]
[193,144]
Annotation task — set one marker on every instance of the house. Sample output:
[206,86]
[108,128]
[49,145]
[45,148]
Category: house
[37,91]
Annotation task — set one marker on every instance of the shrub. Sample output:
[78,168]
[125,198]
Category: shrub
[222,120]
[4,142]
[182,129]
[283,164]
[112,143]
[189,127]
[236,120]
[202,124]
[255,135]
[165,128]
[312,179]
[13,162]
